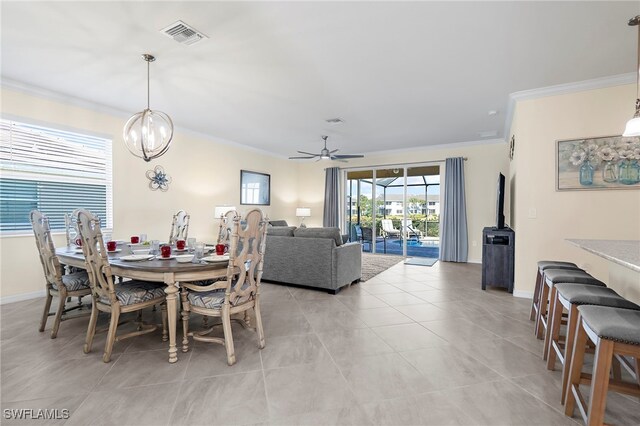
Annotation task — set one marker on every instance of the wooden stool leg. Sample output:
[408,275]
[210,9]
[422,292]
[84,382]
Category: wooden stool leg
[600,382]
[575,369]
[542,308]
[572,323]
[547,332]
[554,336]
[536,300]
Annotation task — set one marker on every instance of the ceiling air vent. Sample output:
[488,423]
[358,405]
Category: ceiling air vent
[183,33]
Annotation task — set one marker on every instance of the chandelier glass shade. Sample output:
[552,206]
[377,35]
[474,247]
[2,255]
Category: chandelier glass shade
[148,134]
[633,126]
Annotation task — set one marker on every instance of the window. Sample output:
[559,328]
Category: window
[53,171]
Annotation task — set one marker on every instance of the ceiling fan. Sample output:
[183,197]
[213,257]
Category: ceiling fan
[325,154]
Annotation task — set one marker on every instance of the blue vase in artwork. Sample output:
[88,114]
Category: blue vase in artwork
[629,172]
[586,173]
[610,172]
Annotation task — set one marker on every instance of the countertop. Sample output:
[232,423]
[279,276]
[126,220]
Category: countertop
[622,252]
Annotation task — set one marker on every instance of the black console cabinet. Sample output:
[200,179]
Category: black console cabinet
[498,246]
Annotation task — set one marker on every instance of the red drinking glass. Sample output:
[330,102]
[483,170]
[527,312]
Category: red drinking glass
[165,251]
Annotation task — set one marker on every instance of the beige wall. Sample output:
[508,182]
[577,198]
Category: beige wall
[205,174]
[481,174]
[599,214]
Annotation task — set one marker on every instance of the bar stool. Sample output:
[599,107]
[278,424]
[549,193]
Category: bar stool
[569,297]
[542,265]
[548,293]
[614,331]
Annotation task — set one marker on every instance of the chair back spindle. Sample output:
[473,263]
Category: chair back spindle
[226,226]
[46,249]
[95,255]
[246,256]
[179,227]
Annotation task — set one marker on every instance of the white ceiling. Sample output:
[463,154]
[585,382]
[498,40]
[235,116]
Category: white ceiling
[401,75]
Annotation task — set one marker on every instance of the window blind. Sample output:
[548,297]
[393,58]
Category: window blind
[54,171]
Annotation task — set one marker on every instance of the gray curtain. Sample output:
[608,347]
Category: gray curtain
[453,241]
[331,215]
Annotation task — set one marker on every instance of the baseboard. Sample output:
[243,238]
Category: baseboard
[523,294]
[20,297]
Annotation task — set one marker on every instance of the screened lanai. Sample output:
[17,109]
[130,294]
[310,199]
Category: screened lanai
[411,225]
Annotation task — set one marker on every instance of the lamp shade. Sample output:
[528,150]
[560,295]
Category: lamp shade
[303,212]
[222,210]
[633,127]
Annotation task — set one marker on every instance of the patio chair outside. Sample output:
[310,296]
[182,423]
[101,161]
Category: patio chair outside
[388,230]
[409,231]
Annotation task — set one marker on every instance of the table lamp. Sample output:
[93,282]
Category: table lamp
[303,212]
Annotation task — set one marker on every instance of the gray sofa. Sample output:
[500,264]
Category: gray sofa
[311,257]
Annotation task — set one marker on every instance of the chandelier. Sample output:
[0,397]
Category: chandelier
[147,134]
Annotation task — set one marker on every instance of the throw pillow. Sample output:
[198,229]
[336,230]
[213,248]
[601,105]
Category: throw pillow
[333,233]
[281,231]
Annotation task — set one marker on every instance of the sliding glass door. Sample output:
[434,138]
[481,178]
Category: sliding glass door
[395,210]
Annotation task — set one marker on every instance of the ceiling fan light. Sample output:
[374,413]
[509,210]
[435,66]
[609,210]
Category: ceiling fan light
[324,157]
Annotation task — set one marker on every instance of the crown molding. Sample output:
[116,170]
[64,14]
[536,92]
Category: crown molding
[439,146]
[100,108]
[59,97]
[562,89]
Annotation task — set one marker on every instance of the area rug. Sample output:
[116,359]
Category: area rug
[420,261]
[373,264]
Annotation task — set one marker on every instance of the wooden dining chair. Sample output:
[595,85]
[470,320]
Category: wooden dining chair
[179,227]
[235,295]
[226,226]
[62,286]
[128,296]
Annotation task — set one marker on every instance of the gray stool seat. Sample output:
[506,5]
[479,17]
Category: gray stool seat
[619,325]
[581,294]
[553,264]
[555,276]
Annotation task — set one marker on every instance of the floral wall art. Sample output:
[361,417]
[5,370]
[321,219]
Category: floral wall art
[611,162]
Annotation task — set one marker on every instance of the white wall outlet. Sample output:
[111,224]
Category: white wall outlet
[533,213]
[474,243]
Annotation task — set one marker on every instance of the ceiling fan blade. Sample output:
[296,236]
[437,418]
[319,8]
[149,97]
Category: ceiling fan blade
[335,150]
[308,153]
[333,157]
[302,158]
[349,156]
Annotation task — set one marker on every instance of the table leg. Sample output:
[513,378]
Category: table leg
[172,308]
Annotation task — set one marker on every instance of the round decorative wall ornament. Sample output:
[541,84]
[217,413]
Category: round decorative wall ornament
[159,179]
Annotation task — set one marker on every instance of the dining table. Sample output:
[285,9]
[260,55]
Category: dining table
[167,271]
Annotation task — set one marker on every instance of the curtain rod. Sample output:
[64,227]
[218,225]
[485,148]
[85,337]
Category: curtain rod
[393,164]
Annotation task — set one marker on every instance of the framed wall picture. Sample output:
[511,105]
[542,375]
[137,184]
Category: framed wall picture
[609,162]
[255,188]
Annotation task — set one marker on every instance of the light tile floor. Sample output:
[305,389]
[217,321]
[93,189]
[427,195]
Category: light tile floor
[413,345]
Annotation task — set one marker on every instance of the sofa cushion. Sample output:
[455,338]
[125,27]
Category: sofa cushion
[281,231]
[332,233]
[278,223]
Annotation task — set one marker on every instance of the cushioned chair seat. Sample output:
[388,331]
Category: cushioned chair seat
[75,281]
[132,292]
[620,325]
[556,276]
[580,294]
[552,264]
[207,299]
